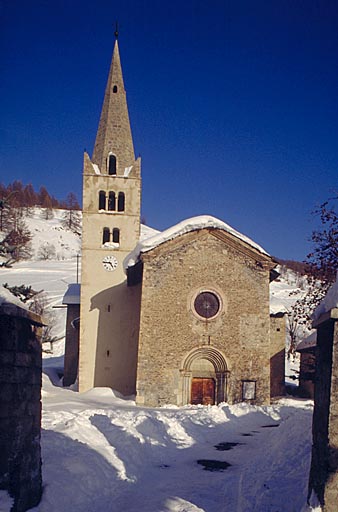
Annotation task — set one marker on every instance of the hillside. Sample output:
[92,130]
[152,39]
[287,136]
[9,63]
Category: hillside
[51,233]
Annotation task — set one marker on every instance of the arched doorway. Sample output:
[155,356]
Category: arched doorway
[204,377]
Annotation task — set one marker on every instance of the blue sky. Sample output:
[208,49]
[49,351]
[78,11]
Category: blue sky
[233,105]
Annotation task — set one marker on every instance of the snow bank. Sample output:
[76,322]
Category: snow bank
[6,502]
[192,224]
[101,452]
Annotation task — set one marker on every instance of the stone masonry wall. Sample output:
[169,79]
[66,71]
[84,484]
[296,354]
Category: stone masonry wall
[170,329]
[20,412]
[331,490]
[324,463]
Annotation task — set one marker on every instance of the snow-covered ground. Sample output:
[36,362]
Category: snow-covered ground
[102,453]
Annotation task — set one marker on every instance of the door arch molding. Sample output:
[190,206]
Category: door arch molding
[218,361]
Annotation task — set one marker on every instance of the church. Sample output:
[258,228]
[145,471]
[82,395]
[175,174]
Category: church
[174,317]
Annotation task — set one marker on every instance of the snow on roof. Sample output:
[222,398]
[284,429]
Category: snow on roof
[127,171]
[276,305]
[147,232]
[192,224]
[329,302]
[7,298]
[308,342]
[11,305]
[72,295]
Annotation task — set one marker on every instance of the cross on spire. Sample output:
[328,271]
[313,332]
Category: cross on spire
[116,33]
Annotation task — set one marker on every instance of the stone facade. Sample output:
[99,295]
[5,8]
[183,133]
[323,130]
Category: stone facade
[324,464]
[143,333]
[176,345]
[20,407]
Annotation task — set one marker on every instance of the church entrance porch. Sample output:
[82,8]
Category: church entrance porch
[203,377]
[202,391]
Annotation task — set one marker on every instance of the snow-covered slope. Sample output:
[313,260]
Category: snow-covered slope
[51,233]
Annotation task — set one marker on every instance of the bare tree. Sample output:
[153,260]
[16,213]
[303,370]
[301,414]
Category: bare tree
[71,218]
[46,251]
[39,305]
[15,245]
[47,209]
[322,264]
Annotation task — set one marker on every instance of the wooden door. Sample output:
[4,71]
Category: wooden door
[203,391]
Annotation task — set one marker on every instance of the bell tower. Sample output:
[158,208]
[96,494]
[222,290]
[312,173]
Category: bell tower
[111,229]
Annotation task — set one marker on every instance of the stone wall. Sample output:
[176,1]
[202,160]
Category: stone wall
[173,337]
[324,464]
[20,411]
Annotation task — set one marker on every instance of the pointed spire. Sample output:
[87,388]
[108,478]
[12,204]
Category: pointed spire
[114,133]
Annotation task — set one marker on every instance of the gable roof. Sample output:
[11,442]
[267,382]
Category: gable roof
[186,226]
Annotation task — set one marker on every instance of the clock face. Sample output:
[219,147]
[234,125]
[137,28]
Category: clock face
[109,263]
[207,304]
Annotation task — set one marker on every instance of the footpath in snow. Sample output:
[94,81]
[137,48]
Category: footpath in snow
[102,453]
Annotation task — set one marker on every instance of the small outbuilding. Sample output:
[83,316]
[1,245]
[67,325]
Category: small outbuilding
[72,300]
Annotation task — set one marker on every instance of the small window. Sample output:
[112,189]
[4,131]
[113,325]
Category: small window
[102,200]
[112,165]
[248,390]
[111,201]
[116,235]
[115,89]
[106,235]
[120,202]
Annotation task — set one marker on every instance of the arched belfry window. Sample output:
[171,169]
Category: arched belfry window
[106,235]
[116,235]
[115,89]
[111,202]
[120,202]
[112,165]
[102,200]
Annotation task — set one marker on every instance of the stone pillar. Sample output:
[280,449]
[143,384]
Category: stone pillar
[20,407]
[324,463]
